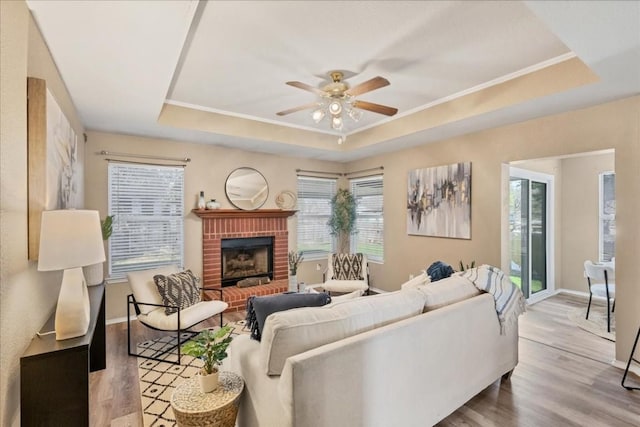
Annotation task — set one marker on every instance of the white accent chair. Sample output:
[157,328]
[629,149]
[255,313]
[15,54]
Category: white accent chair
[600,279]
[150,311]
[333,284]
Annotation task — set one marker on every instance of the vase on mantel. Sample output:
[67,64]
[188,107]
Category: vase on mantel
[293,282]
[202,203]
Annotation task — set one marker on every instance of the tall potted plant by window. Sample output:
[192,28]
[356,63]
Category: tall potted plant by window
[343,218]
[94,274]
[211,347]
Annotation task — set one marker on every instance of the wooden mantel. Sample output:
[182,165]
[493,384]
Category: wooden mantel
[237,213]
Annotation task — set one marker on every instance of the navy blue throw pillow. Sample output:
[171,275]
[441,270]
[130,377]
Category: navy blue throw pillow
[439,270]
[259,308]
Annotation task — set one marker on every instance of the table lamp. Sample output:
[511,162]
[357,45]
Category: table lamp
[70,240]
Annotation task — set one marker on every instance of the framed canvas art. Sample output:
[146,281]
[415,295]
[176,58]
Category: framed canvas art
[439,201]
[54,181]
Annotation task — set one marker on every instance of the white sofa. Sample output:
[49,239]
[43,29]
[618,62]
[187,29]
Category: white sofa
[375,360]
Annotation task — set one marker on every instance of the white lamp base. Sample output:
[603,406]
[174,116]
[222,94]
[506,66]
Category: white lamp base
[73,311]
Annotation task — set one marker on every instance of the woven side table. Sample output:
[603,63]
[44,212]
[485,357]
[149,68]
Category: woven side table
[216,409]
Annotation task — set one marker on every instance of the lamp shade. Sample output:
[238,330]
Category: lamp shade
[70,239]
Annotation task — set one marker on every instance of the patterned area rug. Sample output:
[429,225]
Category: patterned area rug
[597,322]
[157,379]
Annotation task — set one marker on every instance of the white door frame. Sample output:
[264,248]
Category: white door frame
[550,237]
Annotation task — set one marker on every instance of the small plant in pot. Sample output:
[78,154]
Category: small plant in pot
[211,347]
[94,274]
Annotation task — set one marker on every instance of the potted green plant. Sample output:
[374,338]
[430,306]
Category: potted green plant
[294,259]
[468,266]
[343,217]
[107,227]
[94,274]
[211,347]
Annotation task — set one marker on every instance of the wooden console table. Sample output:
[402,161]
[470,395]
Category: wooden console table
[54,375]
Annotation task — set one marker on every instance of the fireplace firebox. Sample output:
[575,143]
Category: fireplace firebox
[242,258]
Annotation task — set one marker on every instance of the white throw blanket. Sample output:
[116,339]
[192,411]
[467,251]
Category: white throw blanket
[509,300]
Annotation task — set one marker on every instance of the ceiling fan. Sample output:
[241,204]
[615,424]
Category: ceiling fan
[338,97]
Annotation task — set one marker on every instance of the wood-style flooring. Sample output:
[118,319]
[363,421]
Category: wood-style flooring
[564,378]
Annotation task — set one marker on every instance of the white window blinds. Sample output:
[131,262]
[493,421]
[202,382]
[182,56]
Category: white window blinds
[314,209]
[148,204]
[369,238]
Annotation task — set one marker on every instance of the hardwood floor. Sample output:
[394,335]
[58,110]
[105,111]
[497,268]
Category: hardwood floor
[564,378]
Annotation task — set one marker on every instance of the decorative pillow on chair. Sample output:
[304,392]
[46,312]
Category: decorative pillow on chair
[259,308]
[347,267]
[179,289]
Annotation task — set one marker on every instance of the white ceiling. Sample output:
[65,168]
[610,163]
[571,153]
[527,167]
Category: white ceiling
[124,61]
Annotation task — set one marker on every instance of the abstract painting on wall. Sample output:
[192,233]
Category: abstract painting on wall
[439,201]
[54,179]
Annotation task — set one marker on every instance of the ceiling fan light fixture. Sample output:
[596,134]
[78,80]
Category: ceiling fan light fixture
[318,115]
[355,115]
[335,107]
[336,122]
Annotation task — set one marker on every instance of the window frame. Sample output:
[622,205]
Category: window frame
[170,200]
[354,242]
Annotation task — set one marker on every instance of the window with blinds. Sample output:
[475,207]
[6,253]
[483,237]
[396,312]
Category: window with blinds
[369,238]
[148,228]
[314,209]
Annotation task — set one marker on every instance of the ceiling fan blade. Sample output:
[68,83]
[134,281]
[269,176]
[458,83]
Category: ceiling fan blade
[376,108]
[296,109]
[305,86]
[368,86]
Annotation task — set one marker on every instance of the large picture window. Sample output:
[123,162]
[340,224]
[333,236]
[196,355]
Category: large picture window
[314,209]
[148,228]
[607,216]
[369,238]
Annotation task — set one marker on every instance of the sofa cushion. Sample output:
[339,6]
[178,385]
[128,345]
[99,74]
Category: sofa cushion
[144,288]
[188,317]
[420,279]
[258,308]
[291,332]
[178,290]
[447,291]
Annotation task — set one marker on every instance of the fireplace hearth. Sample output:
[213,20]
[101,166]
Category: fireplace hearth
[243,258]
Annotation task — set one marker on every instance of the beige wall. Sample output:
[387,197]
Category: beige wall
[207,171]
[27,297]
[613,125]
[580,215]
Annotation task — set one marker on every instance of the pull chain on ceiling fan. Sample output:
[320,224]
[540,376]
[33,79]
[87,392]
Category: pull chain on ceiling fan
[337,98]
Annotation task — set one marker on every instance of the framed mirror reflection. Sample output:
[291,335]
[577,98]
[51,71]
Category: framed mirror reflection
[246,189]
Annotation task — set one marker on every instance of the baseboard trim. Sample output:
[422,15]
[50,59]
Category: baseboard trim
[581,294]
[635,368]
[118,320]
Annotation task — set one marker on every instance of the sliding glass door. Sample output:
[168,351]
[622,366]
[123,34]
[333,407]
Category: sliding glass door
[530,232]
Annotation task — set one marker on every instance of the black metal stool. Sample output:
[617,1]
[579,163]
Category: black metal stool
[626,371]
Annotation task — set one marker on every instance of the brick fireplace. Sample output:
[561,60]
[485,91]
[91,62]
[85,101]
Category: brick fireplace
[221,224]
